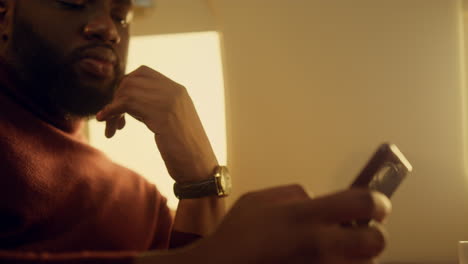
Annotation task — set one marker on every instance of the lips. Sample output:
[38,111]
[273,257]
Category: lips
[98,62]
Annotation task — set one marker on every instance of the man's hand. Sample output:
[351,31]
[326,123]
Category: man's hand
[165,107]
[283,225]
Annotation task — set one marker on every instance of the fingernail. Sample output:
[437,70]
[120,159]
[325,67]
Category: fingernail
[387,204]
[99,116]
[110,133]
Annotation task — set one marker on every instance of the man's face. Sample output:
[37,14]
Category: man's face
[70,54]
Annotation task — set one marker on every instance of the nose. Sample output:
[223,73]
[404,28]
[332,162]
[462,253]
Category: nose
[103,28]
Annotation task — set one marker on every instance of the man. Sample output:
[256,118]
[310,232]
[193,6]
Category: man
[63,201]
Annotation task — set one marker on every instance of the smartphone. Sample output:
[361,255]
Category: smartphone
[385,171]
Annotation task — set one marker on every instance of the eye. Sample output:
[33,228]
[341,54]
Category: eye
[72,4]
[124,18]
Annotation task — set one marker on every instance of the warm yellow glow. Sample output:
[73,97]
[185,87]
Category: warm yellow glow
[192,60]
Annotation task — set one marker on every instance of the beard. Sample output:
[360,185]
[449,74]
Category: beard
[50,80]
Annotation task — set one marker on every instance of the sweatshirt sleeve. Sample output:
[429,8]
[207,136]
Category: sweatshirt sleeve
[178,240]
[19,257]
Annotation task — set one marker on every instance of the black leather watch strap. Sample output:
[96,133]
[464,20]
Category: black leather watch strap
[196,190]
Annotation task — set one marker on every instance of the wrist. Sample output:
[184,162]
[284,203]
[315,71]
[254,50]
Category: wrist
[187,162]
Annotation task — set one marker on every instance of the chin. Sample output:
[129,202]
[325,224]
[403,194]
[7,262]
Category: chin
[85,100]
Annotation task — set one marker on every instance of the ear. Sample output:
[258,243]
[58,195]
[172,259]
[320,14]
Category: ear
[6,16]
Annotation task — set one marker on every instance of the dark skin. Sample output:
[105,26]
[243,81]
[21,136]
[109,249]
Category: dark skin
[280,225]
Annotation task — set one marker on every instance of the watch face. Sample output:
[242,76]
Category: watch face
[225,181]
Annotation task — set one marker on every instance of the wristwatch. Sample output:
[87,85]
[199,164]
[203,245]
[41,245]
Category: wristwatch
[218,185]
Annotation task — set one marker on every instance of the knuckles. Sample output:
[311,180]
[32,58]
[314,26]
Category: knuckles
[146,71]
[146,86]
[148,79]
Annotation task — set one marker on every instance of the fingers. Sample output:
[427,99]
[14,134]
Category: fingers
[121,104]
[354,243]
[116,108]
[110,129]
[347,206]
[121,122]
[113,124]
[145,71]
[321,229]
[151,98]
[132,97]
[340,245]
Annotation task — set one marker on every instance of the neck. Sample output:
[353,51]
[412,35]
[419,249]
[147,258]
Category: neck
[11,86]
